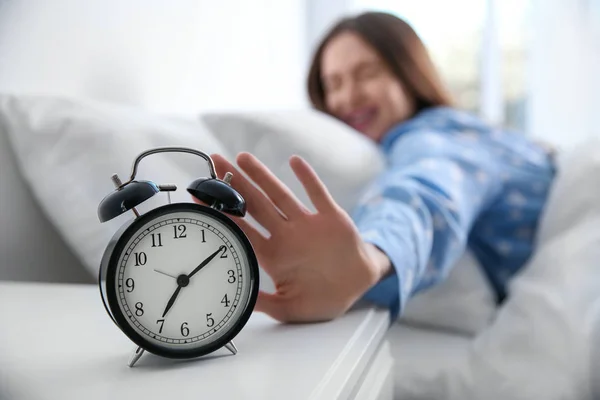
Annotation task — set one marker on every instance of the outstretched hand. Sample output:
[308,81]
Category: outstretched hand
[318,262]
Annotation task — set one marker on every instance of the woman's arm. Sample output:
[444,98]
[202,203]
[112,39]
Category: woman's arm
[420,211]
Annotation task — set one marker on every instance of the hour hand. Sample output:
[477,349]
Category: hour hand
[172,300]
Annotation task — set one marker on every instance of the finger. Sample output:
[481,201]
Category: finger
[259,205]
[258,241]
[222,166]
[272,305]
[276,190]
[315,188]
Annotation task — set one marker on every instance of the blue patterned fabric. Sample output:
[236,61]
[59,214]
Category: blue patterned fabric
[452,183]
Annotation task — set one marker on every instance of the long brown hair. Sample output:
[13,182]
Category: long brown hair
[399,46]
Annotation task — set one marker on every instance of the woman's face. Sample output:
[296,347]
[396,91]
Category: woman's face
[360,89]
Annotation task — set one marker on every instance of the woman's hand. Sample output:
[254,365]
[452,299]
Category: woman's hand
[318,262]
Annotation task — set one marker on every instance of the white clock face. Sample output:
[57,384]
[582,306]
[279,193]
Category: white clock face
[183,280]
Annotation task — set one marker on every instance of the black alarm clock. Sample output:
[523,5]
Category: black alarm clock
[180,280]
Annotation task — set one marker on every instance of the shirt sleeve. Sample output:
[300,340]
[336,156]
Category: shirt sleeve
[420,210]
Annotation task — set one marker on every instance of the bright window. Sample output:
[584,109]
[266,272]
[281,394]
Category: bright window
[513,17]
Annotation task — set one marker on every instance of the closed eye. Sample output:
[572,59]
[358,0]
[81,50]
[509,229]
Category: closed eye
[332,83]
[367,71]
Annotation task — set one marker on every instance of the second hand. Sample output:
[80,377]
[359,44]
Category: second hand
[164,273]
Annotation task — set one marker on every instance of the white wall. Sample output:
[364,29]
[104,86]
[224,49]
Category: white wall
[174,56]
[201,55]
[321,15]
[564,75]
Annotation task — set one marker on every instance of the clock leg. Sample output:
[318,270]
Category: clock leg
[135,356]
[231,347]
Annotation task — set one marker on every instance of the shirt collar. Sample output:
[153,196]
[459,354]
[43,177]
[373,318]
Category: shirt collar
[439,118]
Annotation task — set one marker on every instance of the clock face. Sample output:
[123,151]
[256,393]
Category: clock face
[184,279]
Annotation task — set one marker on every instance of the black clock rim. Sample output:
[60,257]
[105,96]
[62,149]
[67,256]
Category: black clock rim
[110,264]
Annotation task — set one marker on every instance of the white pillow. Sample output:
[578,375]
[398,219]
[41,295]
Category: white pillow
[344,159]
[347,162]
[22,222]
[574,194]
[464,303]
[68,149]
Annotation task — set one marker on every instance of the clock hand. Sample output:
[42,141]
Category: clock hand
[184,280]
[172,300]
[164,273]
[203,263]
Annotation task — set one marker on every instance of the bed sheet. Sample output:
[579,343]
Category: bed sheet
[422,358]
[541,344]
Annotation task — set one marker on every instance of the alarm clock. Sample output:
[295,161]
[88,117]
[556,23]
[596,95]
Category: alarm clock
[180,280]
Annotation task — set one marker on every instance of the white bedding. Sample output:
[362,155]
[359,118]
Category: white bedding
[423,359]
[538,348]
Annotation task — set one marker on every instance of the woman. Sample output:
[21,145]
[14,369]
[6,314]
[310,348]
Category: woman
[452,183]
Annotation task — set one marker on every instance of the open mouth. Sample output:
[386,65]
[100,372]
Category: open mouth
[361,118]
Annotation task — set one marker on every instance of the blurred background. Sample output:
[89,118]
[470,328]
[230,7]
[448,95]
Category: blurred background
[531,65]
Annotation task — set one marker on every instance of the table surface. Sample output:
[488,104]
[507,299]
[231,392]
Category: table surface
[57,342]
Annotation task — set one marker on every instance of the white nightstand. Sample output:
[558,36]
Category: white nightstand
[57,342]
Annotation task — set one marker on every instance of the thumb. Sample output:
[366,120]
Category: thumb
[272,305]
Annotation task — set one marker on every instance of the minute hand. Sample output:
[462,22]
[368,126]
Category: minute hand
[203,263]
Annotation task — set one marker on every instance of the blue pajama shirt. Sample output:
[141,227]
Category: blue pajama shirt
[451,183]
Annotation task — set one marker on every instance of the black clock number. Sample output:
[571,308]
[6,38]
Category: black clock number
[203,237]
[224,254]
[162,323]
[185,331]
[156,240]
[209,320]
[231,278]
[140,258]
[130,285]
[179,231]
[225,301]
[139,309]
